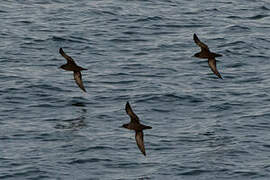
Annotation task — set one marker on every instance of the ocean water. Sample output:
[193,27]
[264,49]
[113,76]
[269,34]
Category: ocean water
[204,128]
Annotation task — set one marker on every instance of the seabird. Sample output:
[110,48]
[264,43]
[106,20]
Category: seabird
[207,54]
[72,66]
[137,127]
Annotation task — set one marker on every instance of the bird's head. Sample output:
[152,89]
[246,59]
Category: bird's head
[196,55]
[125,126]
[63,66]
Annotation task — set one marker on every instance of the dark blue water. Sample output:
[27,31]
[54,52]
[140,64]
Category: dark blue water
[138,51]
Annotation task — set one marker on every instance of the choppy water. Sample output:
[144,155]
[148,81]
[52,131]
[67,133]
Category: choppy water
[138,51]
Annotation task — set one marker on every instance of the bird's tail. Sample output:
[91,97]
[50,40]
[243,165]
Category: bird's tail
[217,55]
[81,69]
[147,127]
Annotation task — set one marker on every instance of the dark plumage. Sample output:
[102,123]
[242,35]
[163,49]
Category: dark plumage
[72,66]
[207,54]
[137,127]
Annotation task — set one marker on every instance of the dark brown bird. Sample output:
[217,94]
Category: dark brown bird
[137,127]
[207,54]
[72,66]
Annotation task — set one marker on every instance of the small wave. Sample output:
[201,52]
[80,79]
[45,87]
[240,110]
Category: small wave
[79,104]
[264,8]
[256,17]
[236,65]
[246,173]
[154,18]
[25,172]
[123,165]
[258,56]
[237,28]
[130,32]
[2,11]
[234,17]
[251,79]
[119,82]
[101,12]
[108,12]
[90,149]
[266,146]
[55,38]
[42,87]
[69,39]
[24,22]
[125,40]
[161,110]
[180,25]
[162,148]
[258,116]
[140,53]
[44,105]
[194,172]
[79,39]
[25,175]
[170,98]
[89,160]
[235,43]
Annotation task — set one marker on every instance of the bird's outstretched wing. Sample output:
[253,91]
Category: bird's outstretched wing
[132,115]
[212,65]
[78,79]
[139,141]
[68,58]
[203,46]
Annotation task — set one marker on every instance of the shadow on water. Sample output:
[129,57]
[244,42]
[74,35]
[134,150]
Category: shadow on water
[79,104]
[74,123]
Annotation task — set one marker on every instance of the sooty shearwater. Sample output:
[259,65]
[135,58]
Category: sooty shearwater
[72,66]
[207,54]
[137,127]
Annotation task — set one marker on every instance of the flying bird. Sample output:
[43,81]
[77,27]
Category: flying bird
[207,54]
[135,125]
[72,66]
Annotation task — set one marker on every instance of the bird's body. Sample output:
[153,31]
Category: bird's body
[207,54]
[137,127]
[72,66]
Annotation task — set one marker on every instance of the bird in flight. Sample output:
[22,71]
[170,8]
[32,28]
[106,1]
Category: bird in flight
[72,66]
[207,54]
[135,125]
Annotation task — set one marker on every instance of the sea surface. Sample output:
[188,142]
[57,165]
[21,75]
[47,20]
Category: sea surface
[204,128]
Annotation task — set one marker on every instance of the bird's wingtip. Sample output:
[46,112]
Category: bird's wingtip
[195,36]
[60,50]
